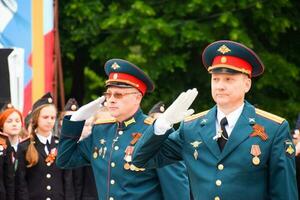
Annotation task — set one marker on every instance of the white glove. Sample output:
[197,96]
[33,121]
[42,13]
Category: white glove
[175,113]
[88,110]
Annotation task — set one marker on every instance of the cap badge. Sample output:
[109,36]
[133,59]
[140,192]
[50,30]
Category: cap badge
[223,59]
[115,76]
[115,66]
[162,109]
[9,105]
[73,107]
[224,49]
[50,100]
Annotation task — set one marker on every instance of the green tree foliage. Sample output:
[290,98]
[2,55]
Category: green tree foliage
[166,39]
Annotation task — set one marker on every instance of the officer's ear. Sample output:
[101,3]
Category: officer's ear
[248,83]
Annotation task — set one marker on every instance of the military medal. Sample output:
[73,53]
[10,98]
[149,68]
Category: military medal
[196,154]
[128,153]
[102,149]
[255,151]
[196,144]
[127,166]
[95,153]
[104,152]
[132,167]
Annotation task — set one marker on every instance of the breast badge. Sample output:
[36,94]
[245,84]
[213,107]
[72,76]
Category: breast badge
[195,145]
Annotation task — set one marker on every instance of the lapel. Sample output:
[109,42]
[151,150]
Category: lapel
[40,147]
[208,131]
[241,130]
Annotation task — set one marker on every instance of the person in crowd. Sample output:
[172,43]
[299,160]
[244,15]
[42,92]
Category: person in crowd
[108,149]
[37,175]
[296,138]
[157,110]
[7,182]
[233,151]
[11,123]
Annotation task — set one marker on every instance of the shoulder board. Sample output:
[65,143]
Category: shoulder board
[270,116]
[149,120]
[195,116]
[3,134]
[24,139]
[104,121]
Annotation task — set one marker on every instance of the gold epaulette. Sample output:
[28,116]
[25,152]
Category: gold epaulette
[270,116]
[195,116]
[149,120]
[105,121]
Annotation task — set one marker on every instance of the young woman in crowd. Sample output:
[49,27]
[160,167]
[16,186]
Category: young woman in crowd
[37,176]
[11,124]
[7,183]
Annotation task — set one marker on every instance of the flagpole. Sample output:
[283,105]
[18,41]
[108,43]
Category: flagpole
[59,84]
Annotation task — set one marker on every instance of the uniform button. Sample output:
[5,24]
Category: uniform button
[220,167]
[112,164]
[111,198]
[48,175]
[112,181]
[48,187]
[218,182]
[120,132]
[116,148]
[217,198]
[48,164]
[48,198]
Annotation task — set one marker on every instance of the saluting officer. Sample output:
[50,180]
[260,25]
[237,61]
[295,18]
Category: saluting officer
[37,176]
[233,151]
[110,146]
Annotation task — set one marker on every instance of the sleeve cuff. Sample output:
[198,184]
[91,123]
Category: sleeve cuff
[71,129]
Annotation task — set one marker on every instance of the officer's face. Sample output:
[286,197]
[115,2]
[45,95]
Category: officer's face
[13,124]
[228,90]
[122,103]
[46,120]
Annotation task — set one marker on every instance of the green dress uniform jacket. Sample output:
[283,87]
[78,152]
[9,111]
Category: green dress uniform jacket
[257,162]
[109,151]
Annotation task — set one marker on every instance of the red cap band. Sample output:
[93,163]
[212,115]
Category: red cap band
[232,62]
[127,79]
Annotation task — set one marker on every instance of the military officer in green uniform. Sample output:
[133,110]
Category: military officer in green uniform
[233,151]
[110,146]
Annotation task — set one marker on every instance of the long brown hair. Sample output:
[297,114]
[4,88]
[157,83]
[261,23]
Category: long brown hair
[32,155]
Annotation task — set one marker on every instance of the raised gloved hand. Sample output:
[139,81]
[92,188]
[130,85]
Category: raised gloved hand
[88,110]
[179,109]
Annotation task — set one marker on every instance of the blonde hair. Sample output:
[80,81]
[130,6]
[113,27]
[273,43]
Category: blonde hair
[32,155]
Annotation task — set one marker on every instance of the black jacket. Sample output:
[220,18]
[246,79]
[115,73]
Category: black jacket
[44,180]
[7,183]
[84,183]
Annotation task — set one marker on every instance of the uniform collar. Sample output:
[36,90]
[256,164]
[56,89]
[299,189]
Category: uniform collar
[44,139]
[231,117]
[131,120]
